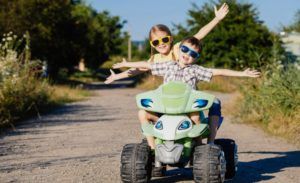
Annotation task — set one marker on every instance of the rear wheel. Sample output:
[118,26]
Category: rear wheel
[136,163]
[230,149]
[209,164]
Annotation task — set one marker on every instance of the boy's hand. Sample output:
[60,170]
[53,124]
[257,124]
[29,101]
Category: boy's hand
[121,64]
[251,73]
[111,78]
[222,12]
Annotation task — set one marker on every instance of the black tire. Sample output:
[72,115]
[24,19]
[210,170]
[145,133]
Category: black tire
[136,163]
[230,150]
[144,141]
[209,164]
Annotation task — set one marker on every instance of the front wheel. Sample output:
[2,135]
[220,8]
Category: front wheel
[209,164]
[136,163]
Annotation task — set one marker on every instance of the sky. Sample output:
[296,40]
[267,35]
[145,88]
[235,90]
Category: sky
[141,15]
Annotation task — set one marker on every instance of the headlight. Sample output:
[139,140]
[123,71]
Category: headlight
[159,125]
[199,103]
[184,125]
[147,103]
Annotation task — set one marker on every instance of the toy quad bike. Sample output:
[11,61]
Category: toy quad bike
[174,135]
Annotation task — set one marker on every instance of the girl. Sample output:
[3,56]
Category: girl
[162,41]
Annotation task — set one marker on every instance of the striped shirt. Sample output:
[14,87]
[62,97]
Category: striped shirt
[191,74]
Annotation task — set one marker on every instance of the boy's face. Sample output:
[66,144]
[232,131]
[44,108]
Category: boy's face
[186,58]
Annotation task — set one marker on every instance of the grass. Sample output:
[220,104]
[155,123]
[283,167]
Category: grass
[42,100]
[272,120]
[86,77]
[109,63]
[223,84]
[23,93]
[273,103]
[150,82]
[61,94]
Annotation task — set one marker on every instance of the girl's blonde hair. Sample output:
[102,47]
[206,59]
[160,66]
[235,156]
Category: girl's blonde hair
[162,28]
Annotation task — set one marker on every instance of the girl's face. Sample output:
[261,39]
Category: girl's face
[185,53]
[162,47]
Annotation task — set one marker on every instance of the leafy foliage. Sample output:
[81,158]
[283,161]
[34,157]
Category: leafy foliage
[240,40]
[296,25]
[274,100]
[63,31]
[20,90]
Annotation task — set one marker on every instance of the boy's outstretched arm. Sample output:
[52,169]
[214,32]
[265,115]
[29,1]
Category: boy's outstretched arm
[219,15]
[227,72]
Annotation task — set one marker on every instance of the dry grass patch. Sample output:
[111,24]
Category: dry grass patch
[274,103]
[61,94]
[150,82]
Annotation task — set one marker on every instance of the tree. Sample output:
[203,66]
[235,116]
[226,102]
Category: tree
[49,24]
[63,31]
[240,40]
[97,35]
[296,25]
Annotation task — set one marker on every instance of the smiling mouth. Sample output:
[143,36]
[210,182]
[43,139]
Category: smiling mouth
[162,46]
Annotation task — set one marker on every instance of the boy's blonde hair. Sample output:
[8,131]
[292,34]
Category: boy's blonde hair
[162,28]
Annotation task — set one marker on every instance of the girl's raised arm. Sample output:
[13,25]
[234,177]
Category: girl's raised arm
[220,14]
[125,74]
[124,63]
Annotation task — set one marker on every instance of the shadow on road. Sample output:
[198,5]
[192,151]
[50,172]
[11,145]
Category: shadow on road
[53,161]
[259,170]
[62,116]
[117,84]
[248,172]
[175,175]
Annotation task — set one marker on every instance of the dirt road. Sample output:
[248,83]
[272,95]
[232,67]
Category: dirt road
[81,142]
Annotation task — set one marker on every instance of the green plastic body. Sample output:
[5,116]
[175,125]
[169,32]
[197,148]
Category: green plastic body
[176,99]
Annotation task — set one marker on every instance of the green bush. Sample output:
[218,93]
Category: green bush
[278,90]
[21,91]
[274,101]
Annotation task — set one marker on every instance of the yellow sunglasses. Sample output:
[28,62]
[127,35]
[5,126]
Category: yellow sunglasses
[156,42]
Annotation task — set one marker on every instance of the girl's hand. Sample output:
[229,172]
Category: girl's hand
[251,73]
[121,64]
[222,12]
[111,78]
[133,72]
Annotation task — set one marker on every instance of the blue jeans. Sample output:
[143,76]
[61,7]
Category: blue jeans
[215,109]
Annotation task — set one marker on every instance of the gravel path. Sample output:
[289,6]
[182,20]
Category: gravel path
[81,142]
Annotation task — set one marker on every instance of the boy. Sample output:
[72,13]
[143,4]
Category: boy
[186,71]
